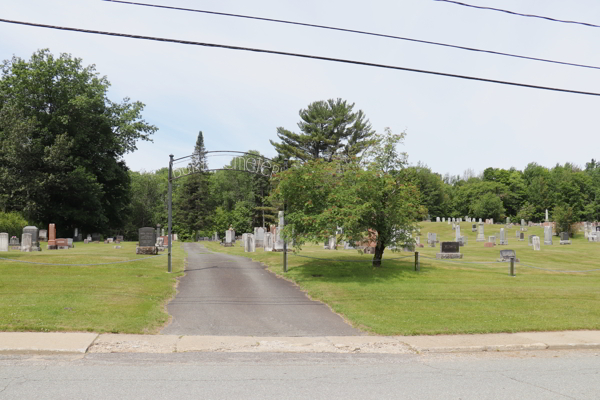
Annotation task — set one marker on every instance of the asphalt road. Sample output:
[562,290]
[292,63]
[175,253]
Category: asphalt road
[546,375]
[227,295]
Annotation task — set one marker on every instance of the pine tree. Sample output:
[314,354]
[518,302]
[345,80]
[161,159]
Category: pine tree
[193,204]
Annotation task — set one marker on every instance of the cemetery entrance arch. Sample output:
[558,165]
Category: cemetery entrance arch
[242,161]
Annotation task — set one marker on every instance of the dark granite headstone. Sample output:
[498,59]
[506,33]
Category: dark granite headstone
[147,237]
[96,237]
[522,236]
[564,236]
[450,247]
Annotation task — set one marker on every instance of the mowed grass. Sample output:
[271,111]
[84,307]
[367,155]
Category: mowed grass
[122,297]
[475,295]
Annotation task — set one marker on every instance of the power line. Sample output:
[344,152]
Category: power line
[282,53]
[519,14]
[353,31]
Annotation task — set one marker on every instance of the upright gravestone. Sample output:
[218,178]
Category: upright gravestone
[457,237]
[437,219]
[444,219]
[243,241]
[43,235]
[52,237]
[26,241]
[259,236]
[268,242]
[564,238]
[507,220]
[449,222]
[480,220]
[521,236]
[480,235]
[14,244]
[76,234]
[332,243]
[531,240]
[229,237]
[547,235]
[3,241]
[34,231]
[547,215]
[348,245]
[249,244]
[503,240]
[474,228]
[147,241]
[492,239]
[449,250]
[536,243]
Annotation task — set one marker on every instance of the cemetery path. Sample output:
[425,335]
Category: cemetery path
[225,295]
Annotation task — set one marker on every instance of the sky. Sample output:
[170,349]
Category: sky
[238,98]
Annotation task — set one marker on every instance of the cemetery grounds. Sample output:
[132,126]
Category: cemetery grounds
[57,290]
[556,288]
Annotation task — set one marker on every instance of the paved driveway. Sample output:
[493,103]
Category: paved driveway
[227,295]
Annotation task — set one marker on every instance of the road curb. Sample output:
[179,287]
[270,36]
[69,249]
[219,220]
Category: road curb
[46,343]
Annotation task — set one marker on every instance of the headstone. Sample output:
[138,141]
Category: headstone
[96,237]
[564,238]
[249,244]
[517,233]
[506,255]
[492,239]
[332,243]
[89,238]
[480,235]
[536,243]
[26,242]
[547,215]
[503,240]
[462,241]
[521,236]
[243,241]
[43,235]
[162,231]
[268,242]
[326,244]
[70,243]
[119,238]
[507,220]
[14,242]
[34,231]
[437,219]
[598,229]
[474,228]
[147,241]
[449,221]
[492,221]
[443,219]
[259,236]
[547,235]
[531,240]
[62,244]
[348,245]
[449,250]
[51,237]
[457,236]
[117,247]
[229,236]
[3,241]
[80,237]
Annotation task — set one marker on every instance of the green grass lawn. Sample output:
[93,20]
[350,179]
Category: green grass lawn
[471,296]
[123,297]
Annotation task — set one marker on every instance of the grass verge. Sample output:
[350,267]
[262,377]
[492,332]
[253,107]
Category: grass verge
[120,297]
[475,295]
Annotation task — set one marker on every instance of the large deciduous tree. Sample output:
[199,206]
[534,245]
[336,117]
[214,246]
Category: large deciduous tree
[63,143]
[327,129]
[372,200]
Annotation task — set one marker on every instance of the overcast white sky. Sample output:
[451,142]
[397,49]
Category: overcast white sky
[238,99]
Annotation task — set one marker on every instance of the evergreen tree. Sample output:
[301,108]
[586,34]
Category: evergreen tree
[328,129]
[193,203]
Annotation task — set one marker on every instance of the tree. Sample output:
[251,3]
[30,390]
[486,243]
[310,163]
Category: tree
[369,201]
[193,204]
[328,129]
[564,218]
[148,202]
[487,206]
[63,141]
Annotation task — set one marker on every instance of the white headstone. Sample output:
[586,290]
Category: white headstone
[249,244]
[503,239]
[547,220]
[547,235]
[26,242]
[278,235]
[229,236]
[480,235]
[536,243]
[332,243]
[457,233]
[268,242]
[3,241]
[437,219]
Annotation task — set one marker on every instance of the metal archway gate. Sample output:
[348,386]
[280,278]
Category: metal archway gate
[242,161]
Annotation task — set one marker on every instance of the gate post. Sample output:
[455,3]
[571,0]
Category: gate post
[169,205]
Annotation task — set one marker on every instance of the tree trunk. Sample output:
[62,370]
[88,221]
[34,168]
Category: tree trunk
[378,254]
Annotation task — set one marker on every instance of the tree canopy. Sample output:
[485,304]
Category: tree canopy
[63,143]
[327,129]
